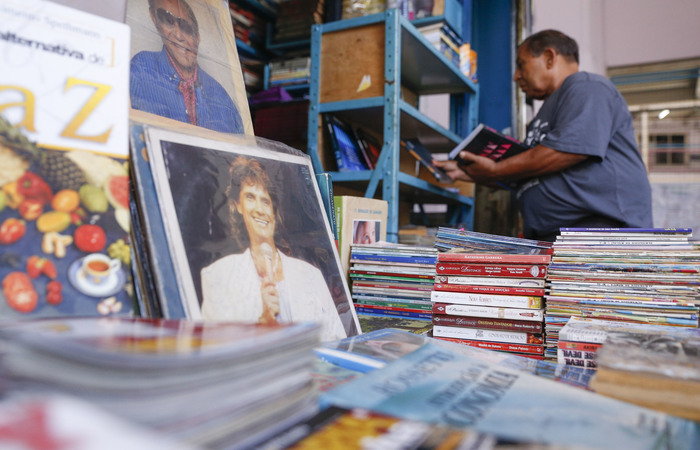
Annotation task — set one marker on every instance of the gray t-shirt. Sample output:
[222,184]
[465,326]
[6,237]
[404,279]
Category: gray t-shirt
[588,116]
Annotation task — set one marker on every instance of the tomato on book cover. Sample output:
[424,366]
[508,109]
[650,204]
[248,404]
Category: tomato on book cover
[64,182]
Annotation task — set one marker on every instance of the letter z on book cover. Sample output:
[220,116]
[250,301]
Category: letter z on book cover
[64,176]
[485,141]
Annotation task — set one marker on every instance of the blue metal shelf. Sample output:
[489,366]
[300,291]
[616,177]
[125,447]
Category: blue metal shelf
[247,49]
[412,62]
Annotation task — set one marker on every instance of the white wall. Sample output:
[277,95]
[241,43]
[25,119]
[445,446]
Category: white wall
[640,31]
[580,19]
[623,32]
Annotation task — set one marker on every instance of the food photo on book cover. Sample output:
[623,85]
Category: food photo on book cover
[64,176]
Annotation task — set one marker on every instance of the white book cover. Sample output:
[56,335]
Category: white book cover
[65,219]
[491,281]
[535,315]
[478,334]
[465,298]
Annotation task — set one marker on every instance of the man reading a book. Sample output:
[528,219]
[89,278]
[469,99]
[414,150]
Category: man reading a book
[170,83]
[263,284]
[583,168]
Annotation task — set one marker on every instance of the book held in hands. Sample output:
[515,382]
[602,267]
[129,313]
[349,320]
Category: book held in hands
[488,142]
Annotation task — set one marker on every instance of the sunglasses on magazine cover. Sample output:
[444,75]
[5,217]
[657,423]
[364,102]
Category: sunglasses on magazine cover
[167,18]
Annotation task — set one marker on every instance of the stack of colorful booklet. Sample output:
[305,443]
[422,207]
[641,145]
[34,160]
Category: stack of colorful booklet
[202,384]
[438,386]
[488,292]
[646,276]
[390,280]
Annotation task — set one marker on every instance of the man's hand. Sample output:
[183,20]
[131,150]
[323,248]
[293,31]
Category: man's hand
[271,302]
[452,169]
[474,168]
[537,161]
[478,168]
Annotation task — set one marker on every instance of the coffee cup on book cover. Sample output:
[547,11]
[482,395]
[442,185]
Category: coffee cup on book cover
[97,268]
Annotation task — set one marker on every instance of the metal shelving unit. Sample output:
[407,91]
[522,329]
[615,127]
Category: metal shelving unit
[407,60]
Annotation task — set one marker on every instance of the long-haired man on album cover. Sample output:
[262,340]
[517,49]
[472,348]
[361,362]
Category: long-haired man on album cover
[263,284]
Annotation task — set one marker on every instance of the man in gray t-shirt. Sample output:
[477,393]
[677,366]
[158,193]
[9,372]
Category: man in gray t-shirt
[584,169]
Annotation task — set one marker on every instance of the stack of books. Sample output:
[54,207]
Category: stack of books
[489,292]
[210,385]
[580,338]
[295,18]
[392,280]
[437,385]
[658,370]
[473,241]
[648,276]
[289,72]
[249,27]
[444,39]
[250,30]
[354,8]
[375,349]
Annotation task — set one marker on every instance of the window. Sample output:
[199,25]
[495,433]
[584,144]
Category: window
[668,149]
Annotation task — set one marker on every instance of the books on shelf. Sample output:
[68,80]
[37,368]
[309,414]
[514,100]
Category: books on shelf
[424,156]
[468,61]
[345,147]
[202,384]
[436,385]
[488,142]
[295,18]
[296,70]
[64,221]
[370,148]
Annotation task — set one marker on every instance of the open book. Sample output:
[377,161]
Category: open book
[485,141]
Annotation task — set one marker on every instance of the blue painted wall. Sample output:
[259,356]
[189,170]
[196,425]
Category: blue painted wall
[491,38]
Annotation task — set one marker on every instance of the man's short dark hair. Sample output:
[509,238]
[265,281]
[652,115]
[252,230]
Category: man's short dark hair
[188,8]
[561,43]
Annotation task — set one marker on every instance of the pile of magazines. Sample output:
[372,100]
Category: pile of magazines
[209,385]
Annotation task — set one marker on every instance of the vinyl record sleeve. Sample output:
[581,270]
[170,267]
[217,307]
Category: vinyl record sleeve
[192,176]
